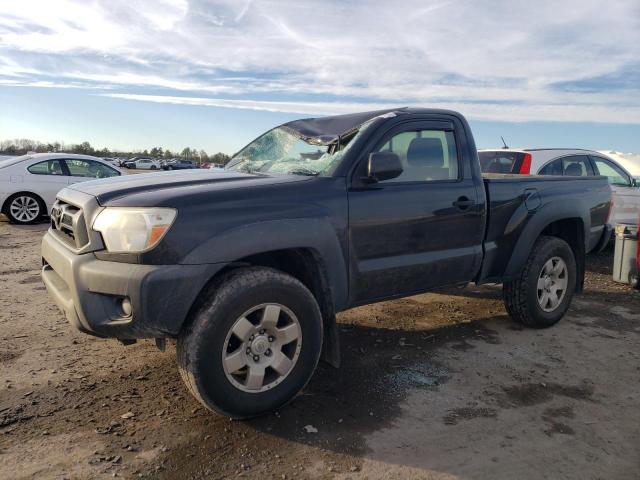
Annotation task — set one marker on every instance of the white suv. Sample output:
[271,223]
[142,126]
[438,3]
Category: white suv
[625,206]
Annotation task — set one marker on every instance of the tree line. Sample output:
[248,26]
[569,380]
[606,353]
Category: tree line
[22,146]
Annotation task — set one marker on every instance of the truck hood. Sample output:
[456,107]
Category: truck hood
[147,183]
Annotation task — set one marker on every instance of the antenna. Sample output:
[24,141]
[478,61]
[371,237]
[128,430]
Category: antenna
[504,143]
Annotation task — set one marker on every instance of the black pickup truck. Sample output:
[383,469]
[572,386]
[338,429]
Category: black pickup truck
[247,268]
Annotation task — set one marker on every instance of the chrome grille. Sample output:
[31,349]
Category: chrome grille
[68,223]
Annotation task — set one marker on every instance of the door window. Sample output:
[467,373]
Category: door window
[553,168]
[50,167]
[614,174]
[426,155]
[90,169]
[571,166]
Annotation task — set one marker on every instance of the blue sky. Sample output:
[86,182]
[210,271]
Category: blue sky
[214,74]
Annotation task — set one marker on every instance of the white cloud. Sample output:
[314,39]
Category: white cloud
[498,112]
[458,53]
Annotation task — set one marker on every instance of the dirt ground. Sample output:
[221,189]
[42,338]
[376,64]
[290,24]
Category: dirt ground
[437,386]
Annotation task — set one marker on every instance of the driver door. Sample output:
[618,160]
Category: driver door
[421,229]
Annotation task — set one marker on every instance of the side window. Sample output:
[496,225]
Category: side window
[614,174]
[571,166]
[50,167]
[576,166]
[498,162]
[553,168]
[426,155]
[90,169]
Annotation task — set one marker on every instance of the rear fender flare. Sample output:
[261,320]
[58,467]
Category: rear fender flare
[540,220]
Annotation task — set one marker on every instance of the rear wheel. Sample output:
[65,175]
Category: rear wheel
[540,296]
[253,343]
[24,208]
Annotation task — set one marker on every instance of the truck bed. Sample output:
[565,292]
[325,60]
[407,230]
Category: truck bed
[513,199]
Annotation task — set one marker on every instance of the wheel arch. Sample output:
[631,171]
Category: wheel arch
[306,265]
[571,229]
[5,205]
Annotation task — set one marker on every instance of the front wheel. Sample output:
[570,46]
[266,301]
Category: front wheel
[541,294]
[253,343]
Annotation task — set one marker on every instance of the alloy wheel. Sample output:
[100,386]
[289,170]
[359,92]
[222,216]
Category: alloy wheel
[24,208]
[552,284]
[262,347]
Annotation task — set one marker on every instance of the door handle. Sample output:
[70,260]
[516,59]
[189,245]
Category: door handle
[463,203]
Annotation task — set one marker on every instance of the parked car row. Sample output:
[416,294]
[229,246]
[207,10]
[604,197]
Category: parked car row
[148,163]
[625,205]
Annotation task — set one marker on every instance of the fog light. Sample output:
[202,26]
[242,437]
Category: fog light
[126,307]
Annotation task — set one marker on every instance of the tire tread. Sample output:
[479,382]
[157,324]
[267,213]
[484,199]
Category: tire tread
[239,279]
[515,291]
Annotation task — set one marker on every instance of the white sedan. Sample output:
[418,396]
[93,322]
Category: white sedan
[625,194]
[29,184]
[143,164]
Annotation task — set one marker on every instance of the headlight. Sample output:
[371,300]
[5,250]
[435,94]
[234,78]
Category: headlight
[133,230]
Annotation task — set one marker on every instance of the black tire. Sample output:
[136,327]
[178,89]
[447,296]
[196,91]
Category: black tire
[153,167]
[169,167]
[202,341]
[634,279]
[15,219]
[521,294]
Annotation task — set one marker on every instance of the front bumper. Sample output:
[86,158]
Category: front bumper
[90,292]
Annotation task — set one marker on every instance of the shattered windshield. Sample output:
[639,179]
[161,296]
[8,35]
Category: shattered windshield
[283,151]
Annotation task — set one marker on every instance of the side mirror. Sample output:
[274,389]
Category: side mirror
[383,166]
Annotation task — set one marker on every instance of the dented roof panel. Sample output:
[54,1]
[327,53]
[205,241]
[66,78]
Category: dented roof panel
[325,130]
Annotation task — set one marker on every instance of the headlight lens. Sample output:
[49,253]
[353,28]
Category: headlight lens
[133,230]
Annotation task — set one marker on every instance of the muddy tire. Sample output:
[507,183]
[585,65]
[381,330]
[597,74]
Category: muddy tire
[541,294]
[252,343]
